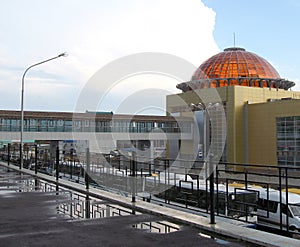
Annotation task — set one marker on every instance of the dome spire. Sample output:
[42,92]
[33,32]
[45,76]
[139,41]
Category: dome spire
[233,39]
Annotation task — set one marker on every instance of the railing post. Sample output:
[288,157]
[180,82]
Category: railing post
[87,170]
[212,199]
[57,167]
[217,191]
[87,206]
[21,156]
[71,164]
[280,198]
[287,199]
[8,154]
[246,178]
[36,158]
[165,188]
[36,182]
[87,185]
[210,169]
[133,167]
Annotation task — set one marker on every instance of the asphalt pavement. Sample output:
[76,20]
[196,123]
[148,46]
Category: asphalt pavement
[32,218]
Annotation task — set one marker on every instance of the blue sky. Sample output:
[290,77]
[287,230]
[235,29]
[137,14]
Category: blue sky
[269,28]
[97,32]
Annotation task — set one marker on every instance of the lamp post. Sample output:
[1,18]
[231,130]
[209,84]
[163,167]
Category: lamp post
[208,155]
[22,102]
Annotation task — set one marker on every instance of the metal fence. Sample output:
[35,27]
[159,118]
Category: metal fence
[267,196]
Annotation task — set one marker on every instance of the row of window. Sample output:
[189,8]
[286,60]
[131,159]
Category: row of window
[41,125]
[288,140]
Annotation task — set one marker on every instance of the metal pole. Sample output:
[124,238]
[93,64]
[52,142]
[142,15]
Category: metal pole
[8,154]
[87,170]
[210,167]
[217,192]
[22,100]
[212,198]
[205,134]
[208,160]
[287,199]
[87,205]
[57,167]
[71,163]
[133,176]
[36,158]
[36,183]
[280,197]
[86,178]
[21,155]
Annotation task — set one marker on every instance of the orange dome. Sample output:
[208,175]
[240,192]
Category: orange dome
[235,66]
[233,63]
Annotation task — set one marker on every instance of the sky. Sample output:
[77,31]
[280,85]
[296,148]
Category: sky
[97,33]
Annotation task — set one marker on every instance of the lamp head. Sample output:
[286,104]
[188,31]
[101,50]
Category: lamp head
[201,106]
[193,107]
[63,54]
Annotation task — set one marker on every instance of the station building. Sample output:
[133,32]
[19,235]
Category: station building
[262,118]
[101,132]
[262,112]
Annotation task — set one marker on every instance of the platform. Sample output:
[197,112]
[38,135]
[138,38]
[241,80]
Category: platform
[30,219]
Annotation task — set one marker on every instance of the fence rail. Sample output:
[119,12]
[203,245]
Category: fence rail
[268,196]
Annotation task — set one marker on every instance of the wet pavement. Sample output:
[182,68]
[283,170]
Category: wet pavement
[38,216]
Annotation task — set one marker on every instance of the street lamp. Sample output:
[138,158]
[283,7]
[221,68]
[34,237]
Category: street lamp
[22,102]
[207,154]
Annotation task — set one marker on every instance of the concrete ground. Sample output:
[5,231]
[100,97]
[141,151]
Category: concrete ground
[32,219]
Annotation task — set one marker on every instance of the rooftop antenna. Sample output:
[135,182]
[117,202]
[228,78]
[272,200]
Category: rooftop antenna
[233,39]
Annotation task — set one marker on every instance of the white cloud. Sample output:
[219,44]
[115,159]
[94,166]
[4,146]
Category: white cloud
[142,92]
[170,26]
[95,33]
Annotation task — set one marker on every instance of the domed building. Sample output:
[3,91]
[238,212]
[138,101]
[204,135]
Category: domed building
[257,103]
[236,66]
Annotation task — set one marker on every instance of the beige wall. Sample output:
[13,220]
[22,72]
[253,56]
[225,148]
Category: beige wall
[262,138]
[251,95]
[236,99]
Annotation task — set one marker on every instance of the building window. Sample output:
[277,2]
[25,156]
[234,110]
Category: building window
[288,141]
[51,123]
[60,123]
[77,124]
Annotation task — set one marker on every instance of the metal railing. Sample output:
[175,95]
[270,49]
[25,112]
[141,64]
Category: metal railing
[241,191]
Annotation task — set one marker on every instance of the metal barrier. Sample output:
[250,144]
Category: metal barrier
[265,195]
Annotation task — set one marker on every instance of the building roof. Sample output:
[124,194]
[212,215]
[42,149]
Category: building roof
[235,66]
[235,62]
[103,116]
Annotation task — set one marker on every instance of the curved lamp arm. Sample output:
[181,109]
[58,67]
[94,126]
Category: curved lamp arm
[22,102]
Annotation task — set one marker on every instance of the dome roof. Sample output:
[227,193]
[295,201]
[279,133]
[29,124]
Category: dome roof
[233,63]
[235,66]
